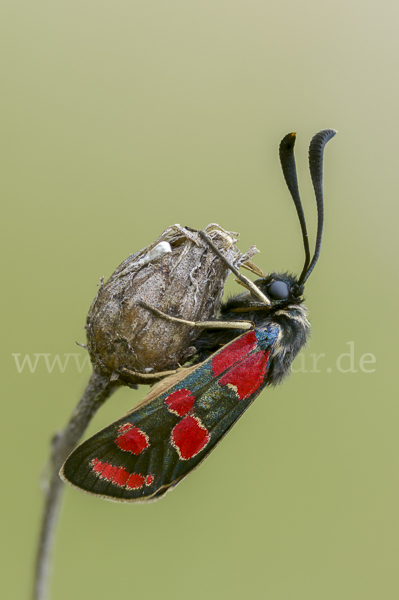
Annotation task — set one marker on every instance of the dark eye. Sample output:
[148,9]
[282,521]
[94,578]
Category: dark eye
[278,290]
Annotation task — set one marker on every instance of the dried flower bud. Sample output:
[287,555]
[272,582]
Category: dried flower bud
[177,274]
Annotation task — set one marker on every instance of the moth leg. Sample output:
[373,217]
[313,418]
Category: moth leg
[149,376]
[247,283]
[244,325]
[135,378]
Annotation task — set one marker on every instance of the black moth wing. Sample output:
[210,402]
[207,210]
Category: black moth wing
[153,447]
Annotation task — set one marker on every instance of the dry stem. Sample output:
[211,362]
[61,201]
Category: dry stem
[97,391]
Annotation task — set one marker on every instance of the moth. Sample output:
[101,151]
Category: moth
[250,346]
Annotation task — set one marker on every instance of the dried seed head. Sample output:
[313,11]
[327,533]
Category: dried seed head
[177,274]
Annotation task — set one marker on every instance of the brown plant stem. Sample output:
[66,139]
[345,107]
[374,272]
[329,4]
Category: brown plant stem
[98,390]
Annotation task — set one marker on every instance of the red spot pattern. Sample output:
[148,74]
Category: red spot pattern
[248,375]
[234,352]
[149,480]
[132,439]
[135,481]
[180,402]
[189,437]
[118,475]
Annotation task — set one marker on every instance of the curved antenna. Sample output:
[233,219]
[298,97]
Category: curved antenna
[316,151]
[287,160]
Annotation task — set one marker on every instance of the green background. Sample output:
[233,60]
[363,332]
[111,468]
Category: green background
[121,118]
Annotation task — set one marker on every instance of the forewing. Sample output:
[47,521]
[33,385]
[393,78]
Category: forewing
[154,446]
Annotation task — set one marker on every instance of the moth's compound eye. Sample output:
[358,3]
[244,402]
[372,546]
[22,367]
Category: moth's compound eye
[278,290]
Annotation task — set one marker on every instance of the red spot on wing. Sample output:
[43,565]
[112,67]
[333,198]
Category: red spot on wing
[149,480]
[135,481]
[120,478]
[131,439]
[234,352]
[97,465]
[180,402]
[189,437]
[109,472]
[246,377]
[118,475]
